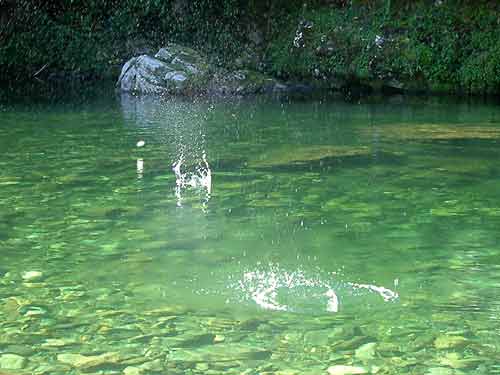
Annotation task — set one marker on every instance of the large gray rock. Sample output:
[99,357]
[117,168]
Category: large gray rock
[173,70]
[178,70]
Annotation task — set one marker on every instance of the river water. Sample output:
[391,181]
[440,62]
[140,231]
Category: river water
[256,236]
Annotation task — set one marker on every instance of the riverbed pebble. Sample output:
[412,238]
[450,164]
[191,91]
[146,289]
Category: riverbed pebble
[32,276]
[346,370]
[449,342]
[12,362]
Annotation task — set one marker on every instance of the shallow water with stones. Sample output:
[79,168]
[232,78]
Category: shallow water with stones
[259,236]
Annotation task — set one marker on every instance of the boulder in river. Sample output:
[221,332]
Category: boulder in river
[178,70]
[174,69]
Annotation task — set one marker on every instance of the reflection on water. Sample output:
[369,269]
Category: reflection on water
[181,126]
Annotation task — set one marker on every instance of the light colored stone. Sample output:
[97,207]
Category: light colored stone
[33,311]
[83,362]
[366,352]
[178,70]
[288,372]
[165,55]
[31,276]
[440,371]
[131,370]
[172,70]
[219,338]
[202,366]
[12,362]
[346,370]
[57,343]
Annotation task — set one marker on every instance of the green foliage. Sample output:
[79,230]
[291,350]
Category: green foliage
[451,45]
[91,38]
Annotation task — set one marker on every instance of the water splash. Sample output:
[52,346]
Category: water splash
[199,179]
[275,288]
[181,127]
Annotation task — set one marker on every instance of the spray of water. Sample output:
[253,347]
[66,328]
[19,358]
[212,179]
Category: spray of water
[199,179]
[275,288]
[181,127]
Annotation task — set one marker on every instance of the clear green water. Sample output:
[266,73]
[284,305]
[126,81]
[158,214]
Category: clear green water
[296,236]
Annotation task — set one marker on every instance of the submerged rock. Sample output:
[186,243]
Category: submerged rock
[32,276]
[12,362]
[57,343]
[346,370]
[456,361]
[306,154]
[83,362]
[191,339]
[220,353]
[33,311]
[130,370]
[440,371]
[366,352]
[437,132]
[449,342]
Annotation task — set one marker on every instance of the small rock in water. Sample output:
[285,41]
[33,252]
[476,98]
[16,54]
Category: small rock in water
[131,370]
[32,276]
[440,371]
[83,362]
[56,343]
[140,144]
[202,366]
[346,370]
[219,338]
[449,342]
[33,311]
[366,352]
[12,361]
[287,372]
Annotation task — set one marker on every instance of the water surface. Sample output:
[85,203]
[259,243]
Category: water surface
[250,236]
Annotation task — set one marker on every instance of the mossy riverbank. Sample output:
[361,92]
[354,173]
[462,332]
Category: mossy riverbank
[448,47]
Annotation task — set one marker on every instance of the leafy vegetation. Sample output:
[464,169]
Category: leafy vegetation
[90,39]
[425,45]
[437,46]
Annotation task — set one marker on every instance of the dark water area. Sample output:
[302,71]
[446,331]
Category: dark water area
[249,236]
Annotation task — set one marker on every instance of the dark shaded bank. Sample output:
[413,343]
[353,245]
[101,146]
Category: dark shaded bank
[353,46]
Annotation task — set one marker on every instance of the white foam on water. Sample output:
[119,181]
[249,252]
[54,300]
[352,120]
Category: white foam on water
[200,179]
[275,288]
[385,293]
